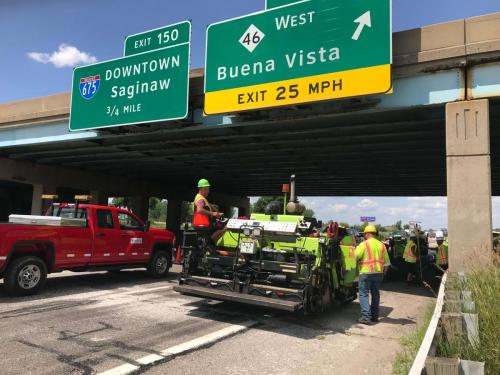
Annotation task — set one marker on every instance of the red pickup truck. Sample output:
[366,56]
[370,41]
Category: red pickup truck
[78,237]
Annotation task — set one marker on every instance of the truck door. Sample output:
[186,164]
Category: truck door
[107,242]
[134,240]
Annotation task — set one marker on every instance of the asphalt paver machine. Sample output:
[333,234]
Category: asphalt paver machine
[281,261]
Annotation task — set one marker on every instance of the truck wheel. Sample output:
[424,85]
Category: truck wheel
[160,264]
[25,276]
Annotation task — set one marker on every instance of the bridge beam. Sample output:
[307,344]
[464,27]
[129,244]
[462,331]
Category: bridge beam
[469,183]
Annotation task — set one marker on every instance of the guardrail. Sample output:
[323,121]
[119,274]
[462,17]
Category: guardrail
[453,317]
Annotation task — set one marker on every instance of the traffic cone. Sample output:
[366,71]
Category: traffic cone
[178,257]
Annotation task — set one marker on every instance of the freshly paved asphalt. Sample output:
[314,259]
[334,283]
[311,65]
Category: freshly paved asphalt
[93,322]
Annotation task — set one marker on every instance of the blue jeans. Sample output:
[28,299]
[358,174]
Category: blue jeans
[370,283]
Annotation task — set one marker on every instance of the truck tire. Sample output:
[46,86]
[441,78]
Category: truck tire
[159,264]
[25,276]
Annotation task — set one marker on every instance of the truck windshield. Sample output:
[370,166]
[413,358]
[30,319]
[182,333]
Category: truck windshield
[67,212]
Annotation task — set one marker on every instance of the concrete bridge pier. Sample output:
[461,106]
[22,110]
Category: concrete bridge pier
[139,205]
[469,183]
[38,206]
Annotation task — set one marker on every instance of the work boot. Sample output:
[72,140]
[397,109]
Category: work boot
[364,321]
[374,320]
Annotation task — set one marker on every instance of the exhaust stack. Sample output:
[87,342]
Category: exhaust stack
[294,207]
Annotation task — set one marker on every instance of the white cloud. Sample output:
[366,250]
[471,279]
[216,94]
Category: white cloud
[428,202]
[338,207]
[367,204]
[65,56]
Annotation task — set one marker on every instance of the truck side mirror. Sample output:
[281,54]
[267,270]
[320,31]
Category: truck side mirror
[147,226]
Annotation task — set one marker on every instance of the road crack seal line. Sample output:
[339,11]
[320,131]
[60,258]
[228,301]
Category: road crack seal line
[69,360]
[142,364]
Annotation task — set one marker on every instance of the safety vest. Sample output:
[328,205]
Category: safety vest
[410,252]
[372,256]
[347,241]
[442,254]
[199,219]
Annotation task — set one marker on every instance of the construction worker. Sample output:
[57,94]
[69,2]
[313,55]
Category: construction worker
[204,213]
[410,256]
[373,262]
[347,239]
[442,253]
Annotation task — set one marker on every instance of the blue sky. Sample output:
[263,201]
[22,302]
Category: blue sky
[43,39]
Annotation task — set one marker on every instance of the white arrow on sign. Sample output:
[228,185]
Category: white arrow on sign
[364,20]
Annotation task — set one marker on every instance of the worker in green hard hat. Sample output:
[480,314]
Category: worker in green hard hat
[204,213]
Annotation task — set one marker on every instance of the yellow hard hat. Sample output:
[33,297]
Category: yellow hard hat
[370,229]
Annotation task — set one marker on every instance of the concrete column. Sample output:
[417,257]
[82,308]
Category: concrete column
[98,197]
[174,212]
[36,200]
[139,205]
[38,206]
[244,209]
[469,183]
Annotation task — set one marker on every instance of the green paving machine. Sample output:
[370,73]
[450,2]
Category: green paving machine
[282,261]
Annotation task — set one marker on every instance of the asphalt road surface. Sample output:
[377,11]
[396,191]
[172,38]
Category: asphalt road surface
[129,323]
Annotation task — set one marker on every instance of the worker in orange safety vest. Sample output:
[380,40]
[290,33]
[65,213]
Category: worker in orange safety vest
[410,256]
[373,262]
[442,253]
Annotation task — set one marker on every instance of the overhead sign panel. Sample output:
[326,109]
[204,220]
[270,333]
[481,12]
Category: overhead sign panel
[367,219]
[277,3]
[307,51]
[140,88]
[158,38]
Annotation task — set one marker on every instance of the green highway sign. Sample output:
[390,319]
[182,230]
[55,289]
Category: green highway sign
[277,3]
[158,38]
[306,51]
[144,87]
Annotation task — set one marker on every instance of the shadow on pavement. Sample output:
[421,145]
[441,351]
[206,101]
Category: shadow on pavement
[335,320]
[401,287]
[91,282]
[339,319]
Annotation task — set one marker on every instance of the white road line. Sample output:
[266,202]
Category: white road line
[127,368]
[208,339]
[150,359]
[180,349]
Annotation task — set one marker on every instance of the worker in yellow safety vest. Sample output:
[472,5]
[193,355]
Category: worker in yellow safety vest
[442,253]
[410,256]
[373,262]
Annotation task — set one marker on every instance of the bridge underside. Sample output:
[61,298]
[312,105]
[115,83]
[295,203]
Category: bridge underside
[376,153]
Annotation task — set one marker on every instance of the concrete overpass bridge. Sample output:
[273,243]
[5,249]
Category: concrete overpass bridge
[432,136]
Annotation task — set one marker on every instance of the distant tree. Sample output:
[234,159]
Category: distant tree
[122,202]
[309,212]
[186,211]
[398,225]
[157,209]
[406,226]
[344,225]
[260,205]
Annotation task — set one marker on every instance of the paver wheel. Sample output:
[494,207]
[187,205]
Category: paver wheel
[25,276]
[160,264]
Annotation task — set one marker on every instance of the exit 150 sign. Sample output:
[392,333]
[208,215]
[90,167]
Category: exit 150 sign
[298,52]
[149,84]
